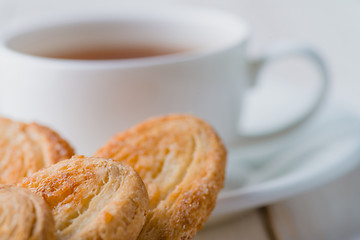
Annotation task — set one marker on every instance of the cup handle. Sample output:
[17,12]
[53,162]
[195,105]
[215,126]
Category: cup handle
[276,53]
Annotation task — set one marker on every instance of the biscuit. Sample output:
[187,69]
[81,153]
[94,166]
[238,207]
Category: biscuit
[26,148]
[92,198]
[182,163]
[24,215]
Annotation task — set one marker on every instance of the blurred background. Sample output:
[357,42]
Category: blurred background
[331,26]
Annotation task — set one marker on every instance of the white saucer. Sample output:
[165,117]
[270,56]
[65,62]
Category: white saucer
[327,147]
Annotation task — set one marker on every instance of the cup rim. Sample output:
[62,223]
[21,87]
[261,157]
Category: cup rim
[119,63]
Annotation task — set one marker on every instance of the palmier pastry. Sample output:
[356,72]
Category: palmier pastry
[92,198]
[24,215]
[26,148]
[182,163]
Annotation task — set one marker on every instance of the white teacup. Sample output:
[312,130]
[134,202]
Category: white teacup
[200,66]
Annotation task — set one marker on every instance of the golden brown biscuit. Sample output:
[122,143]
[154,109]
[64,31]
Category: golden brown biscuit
[182,163]
[26,148]
[92,198]
[24,215]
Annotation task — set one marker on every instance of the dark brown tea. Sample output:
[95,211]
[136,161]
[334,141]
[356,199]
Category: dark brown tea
[113,52]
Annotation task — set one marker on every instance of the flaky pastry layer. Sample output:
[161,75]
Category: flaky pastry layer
[92,198]
[24,215]
[182,163]
[26,148]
